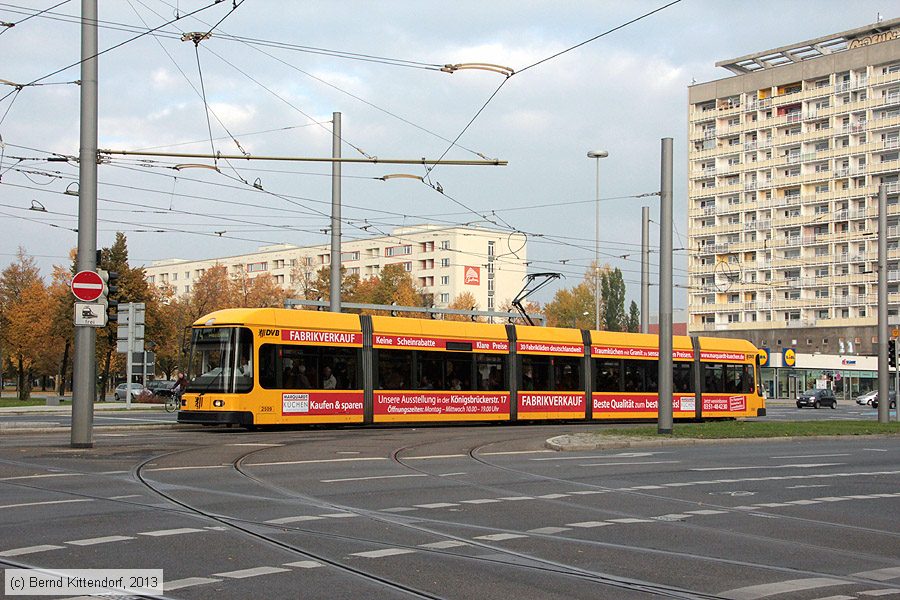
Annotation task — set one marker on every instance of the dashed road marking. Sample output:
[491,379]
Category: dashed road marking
[303,564]
[516,498]
[340,515]
[254,572]
[433,456]
[41,476]
[24,504]
[754,592]
[398,509]
[707,512]
[587,524]
[254,444]
[444,545]
[880,574]
[673,517]
[314,462]
[436,505]
[297,519]
[177,584]
[30,550]
[549,530]
[373,477]
[100,540]
[191,468]
[124,497]
[384,552]
[790,466]
[499,537]
[629,521]
[884,592]
[168,532]
[809,456]
[552,496]
[480,501]
[631,462]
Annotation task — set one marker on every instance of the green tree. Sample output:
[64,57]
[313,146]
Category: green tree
[634,318]
[572,307]
[612,287]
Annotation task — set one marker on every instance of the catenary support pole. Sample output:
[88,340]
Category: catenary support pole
[883,336]
[129,361]
[645,269]
[84,365]
[335,299]
[664,424]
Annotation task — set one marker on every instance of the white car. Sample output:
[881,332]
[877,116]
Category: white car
[866,399]
[136,390]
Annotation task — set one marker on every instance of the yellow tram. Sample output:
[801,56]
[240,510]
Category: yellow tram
[255,367]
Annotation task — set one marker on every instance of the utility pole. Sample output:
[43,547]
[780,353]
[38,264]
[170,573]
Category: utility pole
[645,269]
[335,304]
[664,423]
[84,365]
[883,371]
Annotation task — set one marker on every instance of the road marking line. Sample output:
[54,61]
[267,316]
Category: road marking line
[29,550]
[383,553]
[44,503]
[801,487]
[480,501]
[589,492]
[100,540]
[41,476]
[254,572]
[588,524]
[800,466]
[398,509]
[436,505]
[569,458]
[804,502]
[340,515]
[499,537]
[313,462]
[254,444]
[168,532]
[298,519]
[549,530]
[629,521]
[516,498]
[124,497]
[451,474]
[553,496]
[754,592]
[216,528]
[880,574]
[673,517]
[633,462]
[517,452]
[373,477]
[177,584]
[444,545]
[707,512]
[648,487]
[189,468]
[885,592]
[811,456]
[434,456]
[774,504]
[303,564]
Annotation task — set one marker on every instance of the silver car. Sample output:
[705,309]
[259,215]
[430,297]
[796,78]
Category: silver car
[136,390]
[866,399]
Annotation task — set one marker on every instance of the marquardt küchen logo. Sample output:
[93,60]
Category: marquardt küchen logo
[472,276]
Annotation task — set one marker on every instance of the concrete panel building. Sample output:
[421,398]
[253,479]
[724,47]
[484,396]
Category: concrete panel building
[786,157]
[443,261]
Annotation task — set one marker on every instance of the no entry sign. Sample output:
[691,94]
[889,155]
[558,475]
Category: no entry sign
[87,286]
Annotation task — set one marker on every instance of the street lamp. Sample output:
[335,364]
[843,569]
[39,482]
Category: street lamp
[598,154]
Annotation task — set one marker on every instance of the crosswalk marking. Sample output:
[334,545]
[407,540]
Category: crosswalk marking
[444,545]
[499,537]
[384,552]
[254,572]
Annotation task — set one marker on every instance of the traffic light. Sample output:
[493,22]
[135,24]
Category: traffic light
[110,287]
[892,354]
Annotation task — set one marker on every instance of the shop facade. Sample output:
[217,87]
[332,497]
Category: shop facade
[847,376]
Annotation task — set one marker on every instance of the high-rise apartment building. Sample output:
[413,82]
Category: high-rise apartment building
[785,160]
[443,262]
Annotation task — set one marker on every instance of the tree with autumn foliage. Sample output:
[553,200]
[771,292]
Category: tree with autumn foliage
[393,285]
[463,301]
[24,320]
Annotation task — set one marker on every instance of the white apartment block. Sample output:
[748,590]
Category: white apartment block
[443,261]
[785,160]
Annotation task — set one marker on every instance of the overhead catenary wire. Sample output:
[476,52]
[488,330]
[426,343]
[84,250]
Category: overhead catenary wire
[37,14]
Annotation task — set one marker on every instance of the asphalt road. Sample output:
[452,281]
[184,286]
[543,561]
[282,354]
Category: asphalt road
[463,512]
[101,418]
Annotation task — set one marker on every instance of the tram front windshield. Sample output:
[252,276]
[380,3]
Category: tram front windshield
[221,360]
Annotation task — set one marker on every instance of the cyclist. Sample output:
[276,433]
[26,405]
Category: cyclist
[179,386]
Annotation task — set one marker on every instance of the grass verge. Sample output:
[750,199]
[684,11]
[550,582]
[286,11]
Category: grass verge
[11,402]
[756,429]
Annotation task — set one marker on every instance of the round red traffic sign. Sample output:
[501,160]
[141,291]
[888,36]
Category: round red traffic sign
[87,286]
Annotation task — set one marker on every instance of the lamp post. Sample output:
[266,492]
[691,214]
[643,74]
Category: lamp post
[597,154]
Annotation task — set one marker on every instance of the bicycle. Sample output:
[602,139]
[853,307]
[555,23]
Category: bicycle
[173,402]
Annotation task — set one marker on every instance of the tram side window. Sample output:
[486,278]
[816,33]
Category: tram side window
[682,377]
[567,374]
[739,379]
[552,373]
[535,372]
[450,371]
[491,372]
[713,377]
[290,367]
[395,370]
[608,375]
[640,376]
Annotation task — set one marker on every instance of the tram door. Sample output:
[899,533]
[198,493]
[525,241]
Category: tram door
[793,387]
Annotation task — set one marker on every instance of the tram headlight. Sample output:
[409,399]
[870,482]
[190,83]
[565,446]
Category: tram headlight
[218,403]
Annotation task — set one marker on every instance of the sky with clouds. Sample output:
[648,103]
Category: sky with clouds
[622,93]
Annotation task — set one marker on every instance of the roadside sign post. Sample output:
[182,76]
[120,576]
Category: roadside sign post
[130,339]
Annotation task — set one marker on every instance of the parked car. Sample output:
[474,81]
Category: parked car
[160,388]
[136,390]
[866,399]
[817,398]
[892,396]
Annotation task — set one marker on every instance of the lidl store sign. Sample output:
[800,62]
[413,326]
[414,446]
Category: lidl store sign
[789,357]
[763,357]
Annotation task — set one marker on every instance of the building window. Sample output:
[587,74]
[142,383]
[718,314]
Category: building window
[174,276]
[187,289]
[445,298]
[445,245]
[445,262]
[445,280]
[348,256]
[257,267]
[398,250]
